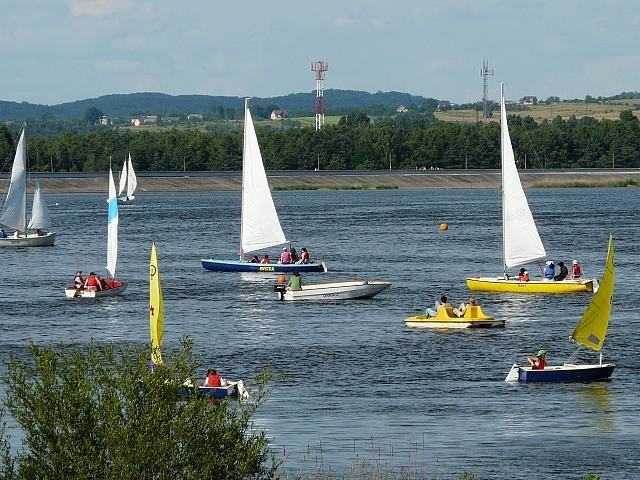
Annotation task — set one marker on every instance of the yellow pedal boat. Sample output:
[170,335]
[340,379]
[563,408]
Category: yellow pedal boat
[473,317]
[500,284]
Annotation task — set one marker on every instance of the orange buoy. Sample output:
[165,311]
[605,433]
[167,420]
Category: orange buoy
[282,279]
[444,227]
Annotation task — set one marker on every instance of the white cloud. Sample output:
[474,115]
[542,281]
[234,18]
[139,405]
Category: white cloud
[97,8]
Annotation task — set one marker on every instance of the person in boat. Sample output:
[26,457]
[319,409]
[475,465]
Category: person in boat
[576,271]
[304,256]
[295,282]
[104,285]
[265,259]
[549,270]
[2,233]
[443,302]
[255,259]
[538,361]
[92,282]
[78,281]
[564,272]
[285,256]
[523,275]
[294,255]
[17,234]
[461,310]
[213,379]
[39,232]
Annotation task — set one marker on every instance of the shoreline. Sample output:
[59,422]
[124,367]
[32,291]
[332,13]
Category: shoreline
[61,183]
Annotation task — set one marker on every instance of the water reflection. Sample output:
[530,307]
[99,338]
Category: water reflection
[597,403]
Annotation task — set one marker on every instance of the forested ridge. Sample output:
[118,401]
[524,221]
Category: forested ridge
[356,142]
[125,106]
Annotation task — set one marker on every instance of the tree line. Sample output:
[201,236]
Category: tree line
[356,142]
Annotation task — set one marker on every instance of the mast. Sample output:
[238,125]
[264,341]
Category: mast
[26,169]
[244,167]
[503,119]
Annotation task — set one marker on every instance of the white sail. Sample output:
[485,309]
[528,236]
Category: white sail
[521,241]
[39,212]
[132,181]
[260,224]
[122,184]
[112,227]
[14,210]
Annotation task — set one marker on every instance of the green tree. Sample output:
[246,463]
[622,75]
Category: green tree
[92,115]
[355,119]
[99,412]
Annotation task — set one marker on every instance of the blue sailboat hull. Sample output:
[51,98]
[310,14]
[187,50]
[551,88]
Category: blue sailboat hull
[238,266]
[566,373]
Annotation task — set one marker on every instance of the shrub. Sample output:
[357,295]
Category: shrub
[100,412]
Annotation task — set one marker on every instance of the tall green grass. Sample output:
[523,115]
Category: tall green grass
[334,187]
[628,182]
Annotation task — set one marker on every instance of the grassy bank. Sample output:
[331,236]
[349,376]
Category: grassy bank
[628,182]
[334,187]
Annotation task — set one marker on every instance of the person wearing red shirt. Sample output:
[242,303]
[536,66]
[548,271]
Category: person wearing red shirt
[538,361]
[576,271]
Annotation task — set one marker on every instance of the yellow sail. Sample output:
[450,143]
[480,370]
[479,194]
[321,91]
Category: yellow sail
[592,327]
[156,313]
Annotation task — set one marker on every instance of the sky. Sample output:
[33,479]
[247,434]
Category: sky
[55,51]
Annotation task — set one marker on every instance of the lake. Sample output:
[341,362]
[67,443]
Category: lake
[352,384]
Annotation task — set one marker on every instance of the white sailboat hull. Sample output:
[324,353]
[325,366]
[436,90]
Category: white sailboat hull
[31,240]
[348,290]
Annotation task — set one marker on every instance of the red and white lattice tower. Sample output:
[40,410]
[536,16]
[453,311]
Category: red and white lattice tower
[320,67]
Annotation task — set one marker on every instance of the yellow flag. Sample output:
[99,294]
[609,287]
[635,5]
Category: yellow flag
[156,314]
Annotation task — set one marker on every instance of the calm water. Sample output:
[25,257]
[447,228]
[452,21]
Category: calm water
[352,383]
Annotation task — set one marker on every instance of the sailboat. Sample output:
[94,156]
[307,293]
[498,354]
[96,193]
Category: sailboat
[156,328]
[113,286]
[14,210]
[260,226]
[590,332]
[128,181]
[521,242]
[156,310]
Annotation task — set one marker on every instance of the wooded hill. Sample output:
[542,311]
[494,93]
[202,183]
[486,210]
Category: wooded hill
[134,104]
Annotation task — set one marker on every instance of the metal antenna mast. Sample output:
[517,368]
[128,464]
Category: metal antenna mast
[485,72]
[320,67]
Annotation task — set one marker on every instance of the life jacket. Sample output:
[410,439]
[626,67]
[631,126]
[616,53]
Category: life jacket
[305,257]
[213,380]
[577,271]
[92,281]
[549,272]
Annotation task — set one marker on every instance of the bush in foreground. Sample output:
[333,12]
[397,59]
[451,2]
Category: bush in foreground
[99,412]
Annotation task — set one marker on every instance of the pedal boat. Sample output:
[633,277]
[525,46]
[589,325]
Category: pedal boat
[473,317]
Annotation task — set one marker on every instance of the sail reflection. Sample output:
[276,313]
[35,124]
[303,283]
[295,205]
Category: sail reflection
[596,398]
